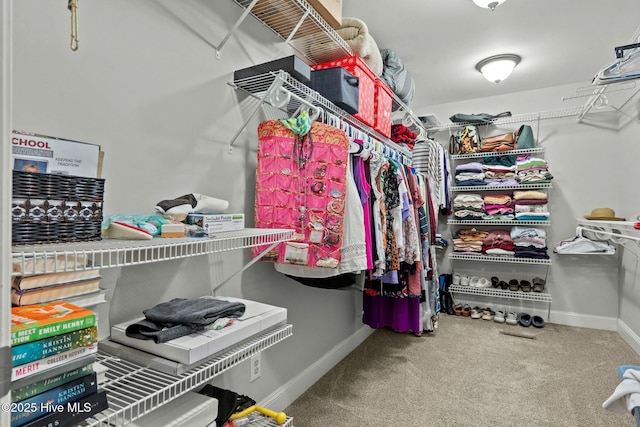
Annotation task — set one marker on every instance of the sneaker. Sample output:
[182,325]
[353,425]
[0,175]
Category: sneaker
[488,314]
[512,318]
[456,279]
[464,280]
[499,316]
[476,312]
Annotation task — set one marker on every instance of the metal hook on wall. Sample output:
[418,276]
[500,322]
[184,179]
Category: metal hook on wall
[73,6]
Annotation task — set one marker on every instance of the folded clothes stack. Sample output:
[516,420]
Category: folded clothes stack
[498,207]
[531,205]
[532,170]
[469,241]
[529,242]
[498,242]
[500,170]
[470,174]
[468,207]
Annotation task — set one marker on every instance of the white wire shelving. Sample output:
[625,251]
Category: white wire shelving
[520,295]
[496,258]
[134,390]
[516,119]
[541,297]
[298,24]
[274,87]
[106,253]
[498,222]
[502,187]
[497,153]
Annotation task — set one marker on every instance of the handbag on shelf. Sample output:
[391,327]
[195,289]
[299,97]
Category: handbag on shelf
[465,141]
[477,119]
[524,137]
[502,142]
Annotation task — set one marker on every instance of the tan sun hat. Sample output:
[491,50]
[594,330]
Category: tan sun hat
[603,214]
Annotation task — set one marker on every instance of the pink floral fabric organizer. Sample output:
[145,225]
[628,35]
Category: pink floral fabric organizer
[307,196]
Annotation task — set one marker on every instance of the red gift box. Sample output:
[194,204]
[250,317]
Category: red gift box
[382,108]
[366,85]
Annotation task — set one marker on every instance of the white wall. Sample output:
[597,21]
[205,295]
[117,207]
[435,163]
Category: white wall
[590,169]
[145,84]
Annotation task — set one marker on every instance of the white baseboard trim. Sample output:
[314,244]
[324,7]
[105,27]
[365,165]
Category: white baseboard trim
[289,392]
[604,323]
[629,336]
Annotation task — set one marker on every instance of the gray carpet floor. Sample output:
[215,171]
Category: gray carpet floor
[470,373]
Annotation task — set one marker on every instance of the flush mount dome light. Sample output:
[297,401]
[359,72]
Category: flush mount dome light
[499,67]
[488,4]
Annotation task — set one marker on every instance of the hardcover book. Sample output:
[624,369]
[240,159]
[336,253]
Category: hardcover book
[40,264]
[25,353]
[22,371]
[27,391]
[53,400]
[38,377]
[74,412]
[38,321]
[54,292]
[40,280]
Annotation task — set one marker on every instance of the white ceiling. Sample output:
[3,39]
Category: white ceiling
[440,41]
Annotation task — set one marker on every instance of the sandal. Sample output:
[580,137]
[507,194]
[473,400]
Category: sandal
[538,284]
[466,310]
[495,282]
[503,285]
[525,285]
[514,285]
[458,309]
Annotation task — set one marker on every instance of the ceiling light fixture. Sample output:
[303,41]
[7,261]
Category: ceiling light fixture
[489,4]
[498,67]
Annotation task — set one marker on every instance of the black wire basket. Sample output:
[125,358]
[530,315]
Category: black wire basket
[48,208]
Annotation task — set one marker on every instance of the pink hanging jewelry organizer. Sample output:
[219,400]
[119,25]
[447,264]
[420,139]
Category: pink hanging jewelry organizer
[301,185]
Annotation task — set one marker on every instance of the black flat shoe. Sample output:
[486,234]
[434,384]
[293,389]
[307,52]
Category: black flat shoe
[525,319]
[537,321]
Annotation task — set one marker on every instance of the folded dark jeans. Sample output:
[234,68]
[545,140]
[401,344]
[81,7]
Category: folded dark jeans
[181,316]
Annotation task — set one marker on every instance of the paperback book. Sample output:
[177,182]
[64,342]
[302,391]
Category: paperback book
[38,321]
[54,292]
[53,400]
[73,413]
[71,365]
[39,264]
[40,280]
[35,350]
[27,391]
[22,371]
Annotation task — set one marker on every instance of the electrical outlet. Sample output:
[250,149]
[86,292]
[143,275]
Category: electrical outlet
[256,366]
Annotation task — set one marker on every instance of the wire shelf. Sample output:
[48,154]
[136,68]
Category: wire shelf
[501,222]
[495,154]
[108,253]
[265,86]
[493,258]
[498,188]
[133,390]
[302,27]
[500,293]
[518,119]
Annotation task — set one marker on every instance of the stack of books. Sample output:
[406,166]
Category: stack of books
[78,286]
[53,350]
